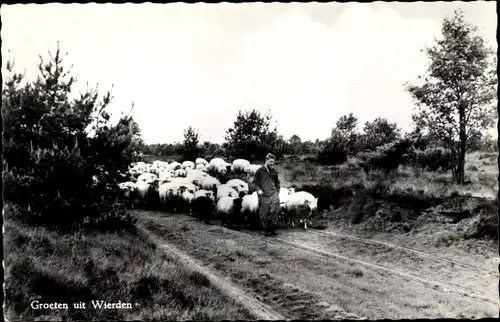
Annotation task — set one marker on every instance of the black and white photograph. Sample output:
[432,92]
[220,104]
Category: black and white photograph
[250,161]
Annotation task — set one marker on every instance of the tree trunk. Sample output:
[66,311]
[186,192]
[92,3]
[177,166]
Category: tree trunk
[461,149]
[454,162]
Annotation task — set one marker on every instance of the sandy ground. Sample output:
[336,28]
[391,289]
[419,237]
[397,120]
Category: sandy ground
[332,274]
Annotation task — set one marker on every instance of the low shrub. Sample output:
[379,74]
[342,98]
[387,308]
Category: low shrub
[432,159]
[333,152]
[387,157]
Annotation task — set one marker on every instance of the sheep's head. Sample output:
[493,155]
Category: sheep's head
[245,188]
[210,194]
[172,191]
[187,195]
[233,193]
[314,204]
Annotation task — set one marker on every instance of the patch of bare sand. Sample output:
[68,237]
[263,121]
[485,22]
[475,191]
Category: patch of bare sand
[463,279]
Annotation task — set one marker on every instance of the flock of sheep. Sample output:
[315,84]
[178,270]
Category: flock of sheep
[205,189]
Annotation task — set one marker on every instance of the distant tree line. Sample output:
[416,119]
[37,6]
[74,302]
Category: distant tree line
[251,138]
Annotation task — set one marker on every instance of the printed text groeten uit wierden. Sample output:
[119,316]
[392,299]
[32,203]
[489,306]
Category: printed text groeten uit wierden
[36,305]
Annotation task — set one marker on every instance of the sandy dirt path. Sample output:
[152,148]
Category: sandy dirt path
[260,310]
[434,283]
[431,270]
[402,248]
[309,275]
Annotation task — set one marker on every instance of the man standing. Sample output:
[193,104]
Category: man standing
[268,187]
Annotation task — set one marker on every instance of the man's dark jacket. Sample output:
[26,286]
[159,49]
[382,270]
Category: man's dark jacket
[268,182]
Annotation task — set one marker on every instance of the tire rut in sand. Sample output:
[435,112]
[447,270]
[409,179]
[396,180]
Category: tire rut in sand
[427,282]
[410,250]
[260,310]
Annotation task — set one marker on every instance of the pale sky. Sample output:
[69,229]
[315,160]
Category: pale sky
[198,64]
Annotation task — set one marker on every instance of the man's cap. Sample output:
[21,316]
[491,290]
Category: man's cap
[270,156]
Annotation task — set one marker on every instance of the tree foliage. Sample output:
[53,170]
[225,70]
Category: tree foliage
[377,133]
[190,146]
[251,136]
[346,129]
[294,145]
[212,150]
[387,157]
[455,101]
[341,142]
[332,151]
[347,124]
[55,172]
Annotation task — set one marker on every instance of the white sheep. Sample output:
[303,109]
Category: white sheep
[301,205]
[201,167]
[226,191]
[239,185]
[250,210]
[201,161]
[165,190]
[147,177]
[180,173]
[164,175]
[250,203]
[127,187]
[209,183]
[156,170]
[187,198]
[160,164]
[218,165]
[252,169]
[170,194]
[186,165]
[229,211]
[285,194]
[195,176]
[175,165]
[239,165]
[196,173]
[205,193]
[134,172]
[188,186]
[143,187]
